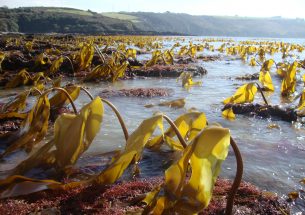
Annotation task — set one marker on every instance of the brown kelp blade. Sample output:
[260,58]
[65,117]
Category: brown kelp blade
[188,124]
[60,99]
[73,134]
[204,155]
[19,185]
[133,150]
[17,104]
[34,127]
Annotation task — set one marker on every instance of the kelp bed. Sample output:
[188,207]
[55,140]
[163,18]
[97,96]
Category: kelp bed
[39,63]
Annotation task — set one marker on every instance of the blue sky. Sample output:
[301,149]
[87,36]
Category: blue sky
[250,8]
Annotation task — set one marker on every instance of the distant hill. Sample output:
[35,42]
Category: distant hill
[68,20]
[214,25]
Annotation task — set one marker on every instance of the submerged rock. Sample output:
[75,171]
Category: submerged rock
[248,77]
[169,70]
[264,111]
[136,92]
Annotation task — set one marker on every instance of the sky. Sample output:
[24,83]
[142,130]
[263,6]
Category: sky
[249,8]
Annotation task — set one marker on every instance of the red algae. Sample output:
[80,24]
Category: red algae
[125,197]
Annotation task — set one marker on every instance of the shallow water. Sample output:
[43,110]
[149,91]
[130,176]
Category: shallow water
[273,158]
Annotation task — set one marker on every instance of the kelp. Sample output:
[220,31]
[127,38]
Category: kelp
[73,134]
[17,104]
[60,99]
[2,56]
[56,65]
[265,79]
[33,128]
[188,125]
[177,103]
[22,78]
[132,152]
[85,56]
[228,114]
[112,70]
[243,94]
[289,80]
[187,81]
[203,157]
[84,127]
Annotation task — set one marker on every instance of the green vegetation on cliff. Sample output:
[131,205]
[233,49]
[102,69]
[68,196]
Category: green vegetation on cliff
[68,20]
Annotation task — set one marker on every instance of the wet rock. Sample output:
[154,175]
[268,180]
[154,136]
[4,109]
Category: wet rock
[135,92]
[264,111]
[248,77]
[134,62]
[207,58]
[17,61]
[55,112]
[169,70]
[185,60]
[9,125]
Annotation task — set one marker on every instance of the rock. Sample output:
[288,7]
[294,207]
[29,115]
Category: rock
[135,92]
[264,111]
[248,77]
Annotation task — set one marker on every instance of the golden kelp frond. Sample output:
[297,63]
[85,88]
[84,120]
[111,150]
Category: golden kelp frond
[29,46]
[118,71]
[85,56]
[2,56]
[282,69]
[132,152]
[19,185]
[57,82]
[13,115]
[131,53]
[60,99]
[73,134]
[168,57]
[265,79]
[192,51]
[252,62]
[41,59]
[156,56]
[177,103]
[22,78]
[187,81]
[183,51]
[267,65]
[39,87]
[188,124]
[56,65]
[228,114]
[243,94]
[301,104]
[98,72]
[33,129]
[289,80]
[204,156]
[17,104]
[37,77]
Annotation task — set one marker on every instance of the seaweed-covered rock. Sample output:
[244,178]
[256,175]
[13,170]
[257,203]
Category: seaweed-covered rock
[135,92]
[248,77]
[9,125]
[169,70]
[264,111]
[125,198]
